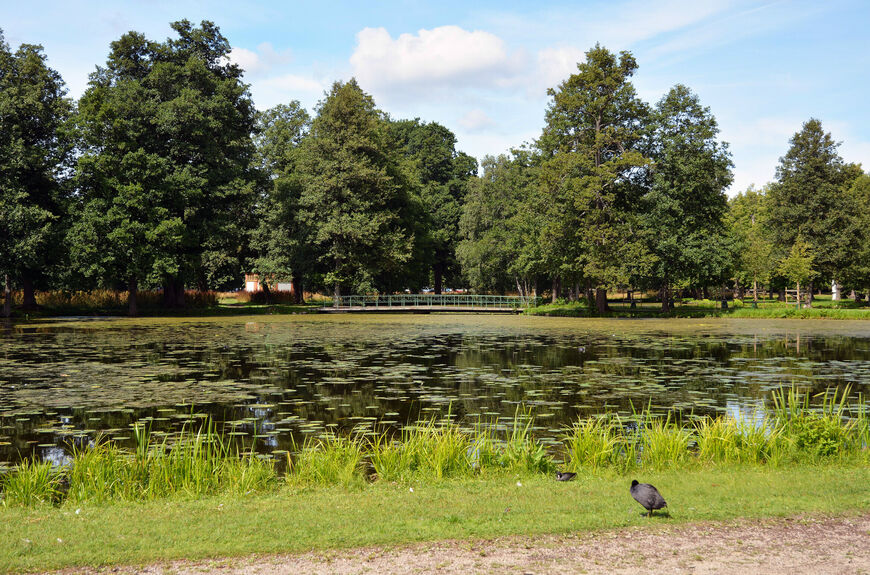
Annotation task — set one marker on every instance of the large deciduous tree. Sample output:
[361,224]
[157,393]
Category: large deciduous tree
[493,225]
[354,191]
[34,154]
[686,202]
[590,146]
[750,235]
[281,240]
[442,173]
[165,174]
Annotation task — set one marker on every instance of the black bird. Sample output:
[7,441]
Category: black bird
[565,476]
[648,496]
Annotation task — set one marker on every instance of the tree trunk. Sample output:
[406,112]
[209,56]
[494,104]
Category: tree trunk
[780,294]
[438,272]
[755,290]
[132,291]
[336,296]
[519,286]
[179,291]
[666,300]
[705,291]
[7,297]
[556,287]
[28,300]
[296,288]
[168,292]
[798,294]
[601,300]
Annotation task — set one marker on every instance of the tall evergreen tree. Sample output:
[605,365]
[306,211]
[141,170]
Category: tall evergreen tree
[34,154]
[686,202]
[808,200]
[354,192]
[594,125]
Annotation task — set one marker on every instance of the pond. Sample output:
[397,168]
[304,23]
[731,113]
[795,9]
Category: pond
[271,381]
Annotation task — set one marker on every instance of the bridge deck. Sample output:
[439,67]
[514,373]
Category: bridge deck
[418,309]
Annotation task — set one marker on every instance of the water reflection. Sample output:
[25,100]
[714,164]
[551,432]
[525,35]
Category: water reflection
[273,382]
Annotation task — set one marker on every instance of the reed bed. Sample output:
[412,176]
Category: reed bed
[112,299]
[199,462]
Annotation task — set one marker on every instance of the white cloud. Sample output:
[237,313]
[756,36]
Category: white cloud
[555,65]
[261,61]
[282,89]
[436,58]
[476,120]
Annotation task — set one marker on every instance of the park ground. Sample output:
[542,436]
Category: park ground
[802,544]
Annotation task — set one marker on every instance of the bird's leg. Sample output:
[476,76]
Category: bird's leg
[650,512]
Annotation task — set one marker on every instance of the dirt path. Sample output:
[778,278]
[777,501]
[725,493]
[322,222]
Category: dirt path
[839,545]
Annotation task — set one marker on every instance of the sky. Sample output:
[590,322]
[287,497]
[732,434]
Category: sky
[483,68]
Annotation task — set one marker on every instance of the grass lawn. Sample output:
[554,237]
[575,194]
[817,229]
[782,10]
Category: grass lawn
[301,519]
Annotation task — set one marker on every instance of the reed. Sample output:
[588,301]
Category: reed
[32,483]
[592,444]
[329,460]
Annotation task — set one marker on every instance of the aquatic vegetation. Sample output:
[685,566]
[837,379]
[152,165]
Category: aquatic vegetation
[32,483]
[201,462]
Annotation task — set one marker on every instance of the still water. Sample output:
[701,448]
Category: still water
[273,380]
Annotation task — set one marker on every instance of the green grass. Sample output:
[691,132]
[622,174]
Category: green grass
[302,519]
[822,309]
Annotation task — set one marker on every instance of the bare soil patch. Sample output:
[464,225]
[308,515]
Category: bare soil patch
[819,545]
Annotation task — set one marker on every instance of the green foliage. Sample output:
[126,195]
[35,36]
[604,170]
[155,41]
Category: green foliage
[798,266]
[591,152]
[353,191]
[808,201]
[281,241]
[164,172]
[35,150]
[686,201]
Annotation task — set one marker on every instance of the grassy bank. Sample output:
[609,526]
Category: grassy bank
[822,309]
[293,519]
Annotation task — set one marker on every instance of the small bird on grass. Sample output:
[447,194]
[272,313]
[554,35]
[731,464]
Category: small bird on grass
[565,476]
[648,496]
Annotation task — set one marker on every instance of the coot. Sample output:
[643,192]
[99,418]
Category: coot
[648,496]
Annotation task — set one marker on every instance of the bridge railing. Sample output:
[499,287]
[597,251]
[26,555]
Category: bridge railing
[438,301]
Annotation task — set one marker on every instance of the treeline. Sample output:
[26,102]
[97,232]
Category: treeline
[164,176]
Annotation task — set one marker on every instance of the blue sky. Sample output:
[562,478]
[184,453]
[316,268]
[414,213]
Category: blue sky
[482,68]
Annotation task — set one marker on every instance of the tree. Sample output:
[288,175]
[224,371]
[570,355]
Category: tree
[442,173]
[281,240]
[808,200]
[857,275]
[166,164]
[686,201]
[747,224]
[491,227]
[353,191]
[34,154]
[591,160]
[798,266]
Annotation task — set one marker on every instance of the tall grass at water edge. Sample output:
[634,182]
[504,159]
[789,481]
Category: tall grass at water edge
[199,462]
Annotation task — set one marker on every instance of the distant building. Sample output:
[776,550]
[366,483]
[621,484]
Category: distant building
[252,284]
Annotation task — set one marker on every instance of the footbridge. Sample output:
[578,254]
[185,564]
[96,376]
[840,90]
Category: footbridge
[428,303]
